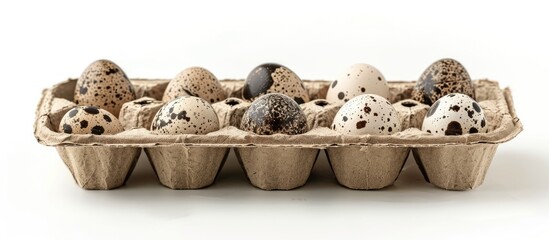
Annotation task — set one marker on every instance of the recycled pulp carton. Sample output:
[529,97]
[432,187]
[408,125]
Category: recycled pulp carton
[276,161]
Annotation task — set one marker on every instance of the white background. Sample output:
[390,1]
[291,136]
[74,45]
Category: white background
[45,42]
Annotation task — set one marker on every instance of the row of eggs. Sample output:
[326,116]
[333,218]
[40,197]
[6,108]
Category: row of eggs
[276,92]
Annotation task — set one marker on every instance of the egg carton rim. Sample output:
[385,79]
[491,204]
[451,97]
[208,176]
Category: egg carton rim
[510,127]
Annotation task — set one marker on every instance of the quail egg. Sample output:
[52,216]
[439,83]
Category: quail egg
[274,113]
[197,82]
[185,115]
[455,114]
[443,77]
[103,84]
[274,78]
[356,80]
[367,114]
[89,120]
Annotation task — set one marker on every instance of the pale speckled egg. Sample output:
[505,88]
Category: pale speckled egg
[185,115]
[90,120]
[357,80]
[455,114]
[274,78]
[274,113]
[441,78]
[197,82]
[367,114]
[103,84]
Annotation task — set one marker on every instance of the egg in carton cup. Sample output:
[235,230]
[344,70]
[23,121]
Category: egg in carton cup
[278,161]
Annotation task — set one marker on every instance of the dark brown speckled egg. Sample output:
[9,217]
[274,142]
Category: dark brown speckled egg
[443,77]
[274,78]
[89,120]
[274,113]
[197,82]
[103,84]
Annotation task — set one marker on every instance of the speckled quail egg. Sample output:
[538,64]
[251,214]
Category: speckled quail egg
[356,80]
[185,115]
[197,82]
[455,114]
[367,114]
[274,113]
[103,84]
[89,120]
[274,78]
[443,77]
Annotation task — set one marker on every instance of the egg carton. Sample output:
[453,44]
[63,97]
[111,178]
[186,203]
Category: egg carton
[277,161]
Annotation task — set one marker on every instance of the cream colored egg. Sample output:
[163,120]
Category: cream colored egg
[356,80]
[89,120]
[185,115]
[455,114]
[367,114]
[195,81]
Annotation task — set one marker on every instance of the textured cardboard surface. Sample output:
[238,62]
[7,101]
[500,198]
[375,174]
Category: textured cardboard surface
[277,168]
[180,167]
[505,125]
[99,168]
[230,111]
[139,113]
[278,161]
[455,167]
[367,167]
[411,113]
[320,113]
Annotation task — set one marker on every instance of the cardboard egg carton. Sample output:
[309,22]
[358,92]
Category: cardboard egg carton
[276,161]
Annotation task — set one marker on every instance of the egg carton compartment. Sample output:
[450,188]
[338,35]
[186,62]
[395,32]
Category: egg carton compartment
[367,167]
[180,167]
[99,167]
[284,161]
[281,168]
